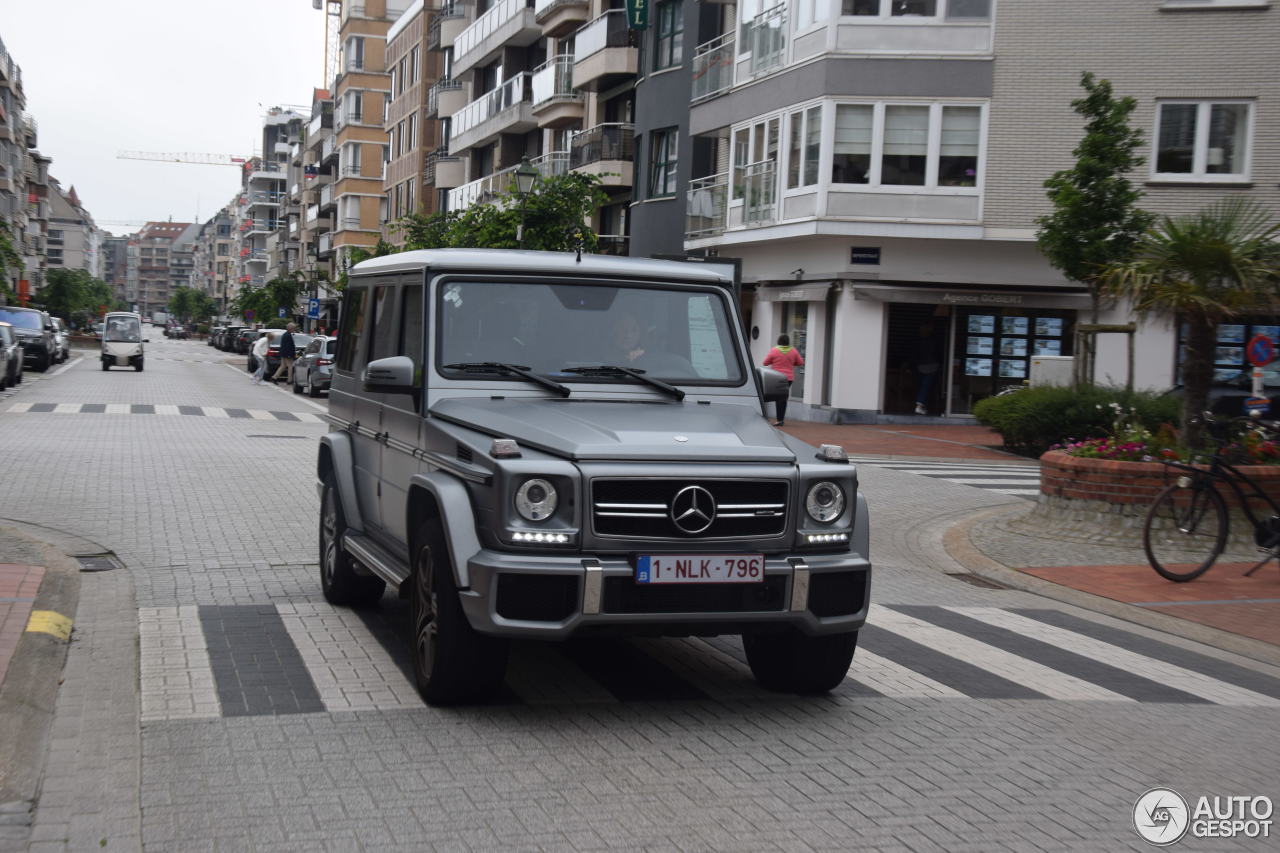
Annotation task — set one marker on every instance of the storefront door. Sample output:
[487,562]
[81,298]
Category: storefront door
[795,323]
[916,339]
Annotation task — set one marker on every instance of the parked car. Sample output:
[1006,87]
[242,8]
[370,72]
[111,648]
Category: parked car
[97,330]
[226,343]
[10,357]
[252,364]
[178,333]
[245,340]
[62,337]
[530,487]
[34,329]
[211,339]
[300,342]
[314,368]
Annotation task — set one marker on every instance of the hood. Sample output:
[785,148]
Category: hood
[601,429]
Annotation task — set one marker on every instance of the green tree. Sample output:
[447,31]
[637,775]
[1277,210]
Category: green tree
[181,303]
[360,253]
[265,302]
[9,260]
[555,213]
[1202,268]
[1095,220]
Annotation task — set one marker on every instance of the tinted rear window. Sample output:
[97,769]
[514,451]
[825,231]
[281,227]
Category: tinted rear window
[20,318]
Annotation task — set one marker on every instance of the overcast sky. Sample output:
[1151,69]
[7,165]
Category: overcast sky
[104,76]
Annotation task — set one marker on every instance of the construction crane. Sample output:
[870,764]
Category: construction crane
[186,157]
[332,25]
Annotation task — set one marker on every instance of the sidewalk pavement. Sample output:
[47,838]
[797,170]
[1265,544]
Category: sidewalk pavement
[1083,572]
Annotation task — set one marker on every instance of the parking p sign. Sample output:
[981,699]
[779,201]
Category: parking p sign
[313,308]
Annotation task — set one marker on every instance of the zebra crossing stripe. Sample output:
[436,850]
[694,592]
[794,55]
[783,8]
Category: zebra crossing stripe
[165,409]
[119,409]
[214,412]
[896,681]
[176,675]
[1016,668]
[1180,678]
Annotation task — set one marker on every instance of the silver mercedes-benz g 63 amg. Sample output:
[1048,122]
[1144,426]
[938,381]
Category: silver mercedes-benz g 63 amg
[544,445]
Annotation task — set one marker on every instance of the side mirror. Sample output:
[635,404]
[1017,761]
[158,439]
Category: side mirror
[773,385]
[392,375]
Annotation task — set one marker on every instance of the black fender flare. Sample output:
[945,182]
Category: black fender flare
[337,458]
[457,519]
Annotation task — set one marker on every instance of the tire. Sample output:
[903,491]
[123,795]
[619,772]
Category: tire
[338,578]
[312,390]
[791,662]
[251,365]
[105,365]
[1185,531]
[42,365]
[293,380]
[137,365]
[452,663]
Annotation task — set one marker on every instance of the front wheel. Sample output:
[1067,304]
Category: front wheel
[452,663]
[792,662]
[137,365]
[106,365]
[1185,531]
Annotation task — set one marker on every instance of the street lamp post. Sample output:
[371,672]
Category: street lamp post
[526,174]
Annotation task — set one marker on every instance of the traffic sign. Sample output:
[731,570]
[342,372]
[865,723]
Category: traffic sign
[281,313]
[248,314]
[313,308]
[1260,350]
[1261,405]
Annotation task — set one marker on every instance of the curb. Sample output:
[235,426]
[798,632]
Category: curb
[958,544]
[29,693]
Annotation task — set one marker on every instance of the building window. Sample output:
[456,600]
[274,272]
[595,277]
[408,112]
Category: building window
[805,146]
[952,10]
[755,152]
[403,64]
[662,163]
[408,197]
[355,53]
[669,35]
[913,145]
[393,80]
[411,141]
[1202,140]
[413,66]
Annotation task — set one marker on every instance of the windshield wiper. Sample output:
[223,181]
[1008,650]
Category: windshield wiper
[638,375]
[511,370]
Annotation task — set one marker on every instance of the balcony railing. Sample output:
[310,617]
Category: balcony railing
[602,142]
[552,163]
[553,80]
[608,30]
[767,39]
[325,243]
[262,197]
[433,94]
[486,25]
[453,9]
[482,190]
[612,244]
[705,210]
[490,104]
[760,193]
[352,223]
[543,7]
[713,66]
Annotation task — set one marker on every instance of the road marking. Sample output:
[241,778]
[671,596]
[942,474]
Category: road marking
[67,366]
[49,622]
[896,681]
[176,676]
[1022,480]
[119,409]
[165,409]
[1175,676]
[1038,677]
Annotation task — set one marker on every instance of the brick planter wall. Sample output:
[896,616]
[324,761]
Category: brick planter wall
[1112,497]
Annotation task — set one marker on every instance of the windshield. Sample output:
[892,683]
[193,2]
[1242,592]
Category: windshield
[681,336]
[123,329]
[21,319]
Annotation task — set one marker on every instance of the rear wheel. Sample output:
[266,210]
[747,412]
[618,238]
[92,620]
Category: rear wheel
[338,578]
[42,364]
[293,380]
[452,663]
[312,390]
[792,662]
[1185,531]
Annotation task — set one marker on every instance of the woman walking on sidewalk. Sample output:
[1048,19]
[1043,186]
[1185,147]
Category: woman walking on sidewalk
[784,358]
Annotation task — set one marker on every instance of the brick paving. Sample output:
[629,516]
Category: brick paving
[18,587]
[944,440]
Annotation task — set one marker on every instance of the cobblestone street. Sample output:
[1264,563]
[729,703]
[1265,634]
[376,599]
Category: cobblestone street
[214,701]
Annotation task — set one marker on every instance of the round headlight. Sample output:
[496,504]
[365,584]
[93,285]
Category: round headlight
[825,502]
[536,500]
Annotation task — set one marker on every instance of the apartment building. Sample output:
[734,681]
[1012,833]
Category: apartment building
[361,92]
[213,260]
[13,157]
[548,80]
[115,265]
[414,70]
[319,160]
[74,242]
[263,202]
[158,258]
[876,168]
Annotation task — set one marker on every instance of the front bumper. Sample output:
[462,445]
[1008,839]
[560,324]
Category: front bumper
[35,352]
[580,594]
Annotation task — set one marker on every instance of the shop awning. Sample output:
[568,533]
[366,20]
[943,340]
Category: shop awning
[991,298]
[807,292]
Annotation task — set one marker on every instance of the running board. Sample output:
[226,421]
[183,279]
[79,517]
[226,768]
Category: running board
[374,558]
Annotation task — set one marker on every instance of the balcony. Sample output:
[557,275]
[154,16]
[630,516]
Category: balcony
[509,23]
[484,190]
[603,52]
[767,40]
[447,24]
[612,244]
[445,98]
[706,207]
[552,163]
[443,171]
[326,197]
[30,129]
[555,102]
[321,121]
[506,109]
[263,197]
[324,245]
[713,67]
[267,171]
[559,18]
[329,150]
[606,150]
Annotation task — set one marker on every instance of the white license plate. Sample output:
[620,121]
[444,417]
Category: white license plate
[700,568]
[122,360]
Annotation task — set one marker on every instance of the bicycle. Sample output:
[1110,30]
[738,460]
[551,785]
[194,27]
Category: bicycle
[1188,523]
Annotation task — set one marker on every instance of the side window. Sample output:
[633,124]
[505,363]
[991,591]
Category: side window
[354,310]
[384,336]
[411,325]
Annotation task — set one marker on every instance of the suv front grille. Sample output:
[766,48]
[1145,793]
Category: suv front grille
[642,509]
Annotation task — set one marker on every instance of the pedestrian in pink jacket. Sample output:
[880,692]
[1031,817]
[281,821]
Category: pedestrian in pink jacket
[784,358]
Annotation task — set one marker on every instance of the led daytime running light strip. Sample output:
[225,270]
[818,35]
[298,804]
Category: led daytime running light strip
[814,538]
[544,538]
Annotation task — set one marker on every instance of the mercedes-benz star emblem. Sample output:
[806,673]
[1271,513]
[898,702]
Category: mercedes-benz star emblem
[693,509]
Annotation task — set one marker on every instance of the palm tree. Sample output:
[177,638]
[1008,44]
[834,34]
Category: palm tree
[1203,267]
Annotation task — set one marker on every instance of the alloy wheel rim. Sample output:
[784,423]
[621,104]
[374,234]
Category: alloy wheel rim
[329,541]
[426,626]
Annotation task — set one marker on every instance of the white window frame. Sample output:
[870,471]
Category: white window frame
[942,15]
[930,185]
[754,157]
[825,116]
[1200,154]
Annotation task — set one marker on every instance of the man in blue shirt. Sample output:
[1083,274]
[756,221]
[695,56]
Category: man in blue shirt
[288,352]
